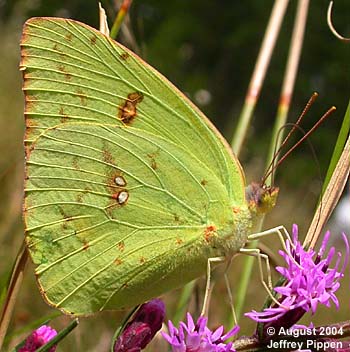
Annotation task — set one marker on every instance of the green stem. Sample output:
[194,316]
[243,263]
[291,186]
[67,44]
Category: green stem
[120,18]
[186,294]
[286,93]
[289,79]
[258,76]
[244,283]
[242,127]
[60,336]
[339,146]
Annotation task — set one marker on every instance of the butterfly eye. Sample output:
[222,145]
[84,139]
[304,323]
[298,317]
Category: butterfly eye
[120,181]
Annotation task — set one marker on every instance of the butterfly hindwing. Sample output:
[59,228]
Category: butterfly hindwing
[88,241]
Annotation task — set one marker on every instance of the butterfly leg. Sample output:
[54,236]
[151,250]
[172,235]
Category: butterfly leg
[209,286]
[255,252]
[280,231]
[229,292]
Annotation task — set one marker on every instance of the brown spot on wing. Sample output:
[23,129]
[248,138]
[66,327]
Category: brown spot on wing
[30,99]
[124,56]
[68,37]
[108,157]
[142,260]
[204,182]
[152,157]
[66,218]
[236,210]
[82,97]
[64,117]
[154,165]
[93,40]
[75,163]
[30,122]
[56,48]
[26,81]
[112,187]
[118,261]
[63,69]
[121,246]
[115,183]
[86,245]
[209,232]
[87,189]
[128,111]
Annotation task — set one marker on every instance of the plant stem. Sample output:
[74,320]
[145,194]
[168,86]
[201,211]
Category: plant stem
[255,85]
[120,18]
[289,80]
[330,197]
[12,292]
[259,73]
[60,336]
[185,297]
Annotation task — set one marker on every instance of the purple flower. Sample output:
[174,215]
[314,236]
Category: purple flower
[38,338]
[198,337]
[142,328]
[309,281]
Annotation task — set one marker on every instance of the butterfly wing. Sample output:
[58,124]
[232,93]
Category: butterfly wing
[129,188]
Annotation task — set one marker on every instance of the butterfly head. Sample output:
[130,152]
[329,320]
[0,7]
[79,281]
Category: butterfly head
[261,198]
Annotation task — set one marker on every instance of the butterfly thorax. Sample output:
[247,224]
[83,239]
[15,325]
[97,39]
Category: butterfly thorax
[261,198]
[229,237]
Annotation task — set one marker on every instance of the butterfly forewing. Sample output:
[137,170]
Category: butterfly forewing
[74,73]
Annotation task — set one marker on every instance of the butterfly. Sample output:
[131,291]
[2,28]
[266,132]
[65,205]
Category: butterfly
[129,188]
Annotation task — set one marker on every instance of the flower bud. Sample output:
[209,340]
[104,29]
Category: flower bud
[141,329]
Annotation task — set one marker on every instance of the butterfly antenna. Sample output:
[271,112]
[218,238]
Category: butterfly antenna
[306,135]
[271,167]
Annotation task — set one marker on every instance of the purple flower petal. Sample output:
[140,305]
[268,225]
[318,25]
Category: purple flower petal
[309,283]
[38,338]
[142,328]
[197,337]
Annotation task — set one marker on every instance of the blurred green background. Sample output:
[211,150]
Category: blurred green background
[208,49]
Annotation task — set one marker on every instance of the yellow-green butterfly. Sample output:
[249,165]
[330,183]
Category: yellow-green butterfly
[129,187]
